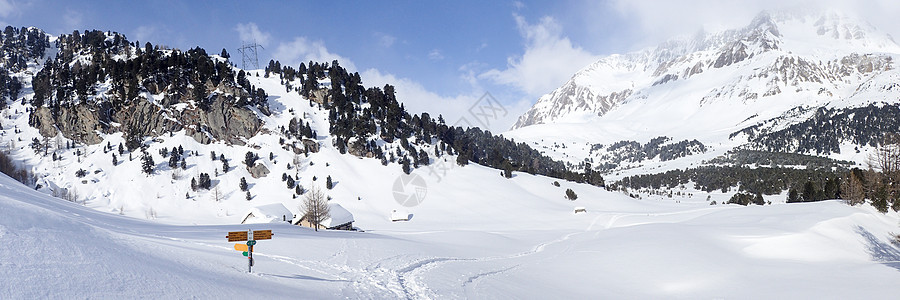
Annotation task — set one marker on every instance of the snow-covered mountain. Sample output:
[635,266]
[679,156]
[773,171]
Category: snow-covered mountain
[94,120]
[758,87]
[824,55]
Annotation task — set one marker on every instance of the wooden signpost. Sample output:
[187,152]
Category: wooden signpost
[236,236]
[247,248]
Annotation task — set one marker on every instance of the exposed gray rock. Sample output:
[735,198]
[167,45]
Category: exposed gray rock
[320,96]
[313,146]
[258,171]
[78,122]
[223,121]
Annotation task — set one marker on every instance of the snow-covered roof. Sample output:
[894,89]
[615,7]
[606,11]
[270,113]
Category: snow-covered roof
[399,215]
[268,213]
[337,215]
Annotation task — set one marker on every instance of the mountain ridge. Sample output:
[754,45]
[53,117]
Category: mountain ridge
[616,79]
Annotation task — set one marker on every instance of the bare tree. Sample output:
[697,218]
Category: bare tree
[216,194]
[887,160]
[315,207]
[852,189]
[887,157]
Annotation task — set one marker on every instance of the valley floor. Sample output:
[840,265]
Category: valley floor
[620,248]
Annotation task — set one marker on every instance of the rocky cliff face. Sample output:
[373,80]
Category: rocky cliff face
[222,121]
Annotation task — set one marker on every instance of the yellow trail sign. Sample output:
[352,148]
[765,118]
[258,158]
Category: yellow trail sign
[240,247]
[262,234]
[236,236]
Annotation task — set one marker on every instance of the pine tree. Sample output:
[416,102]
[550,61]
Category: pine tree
[243,184]
[250,159]
[249,197]
[115,160]
[290,182]
[204,181]
[570,194]
[880,198]
[224,166]
[147,163]
[174,159]
[328,184]
[405,163]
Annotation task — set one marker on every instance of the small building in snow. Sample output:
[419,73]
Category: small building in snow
[339,218]
[399,215]
[269,213]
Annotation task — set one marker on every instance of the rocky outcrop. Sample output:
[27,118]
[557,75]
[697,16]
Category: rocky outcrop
[143,118]
[311,145]
[222,121]
[320,96]
[258,170]
[78,122]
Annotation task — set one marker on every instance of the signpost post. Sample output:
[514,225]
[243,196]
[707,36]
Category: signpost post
[247,248]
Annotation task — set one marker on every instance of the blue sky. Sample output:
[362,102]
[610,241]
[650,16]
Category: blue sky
[442,55]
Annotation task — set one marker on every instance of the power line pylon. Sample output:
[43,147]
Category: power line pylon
[249,57]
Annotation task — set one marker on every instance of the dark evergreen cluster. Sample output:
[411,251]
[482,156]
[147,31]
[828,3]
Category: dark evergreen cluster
[813,190]
[10,87]
[360,116]
[147,163]
[631,151]
[131,69]
[18,47]
[777,159]
[823,133]
[299,129]
[747,199]
[762,180]
[22,45]
[250,159]
[201,182]
[176,157]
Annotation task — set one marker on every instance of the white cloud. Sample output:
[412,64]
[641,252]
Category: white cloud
[249,32]
[481,47]
[435,54]
[7,8]
[302,49]
[145,33]
[656,21]
[455,109]
[72,19]
[549,59]
[385,40]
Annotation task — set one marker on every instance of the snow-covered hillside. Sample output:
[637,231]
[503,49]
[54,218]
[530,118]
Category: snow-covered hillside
[711,85]
[441,231]
[514,245]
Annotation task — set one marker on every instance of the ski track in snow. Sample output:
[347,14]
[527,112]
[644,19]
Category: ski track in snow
[411,277]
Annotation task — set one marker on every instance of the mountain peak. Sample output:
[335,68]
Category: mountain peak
[796,46]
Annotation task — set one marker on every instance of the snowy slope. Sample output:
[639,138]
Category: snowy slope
[620,248]
[475,234]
